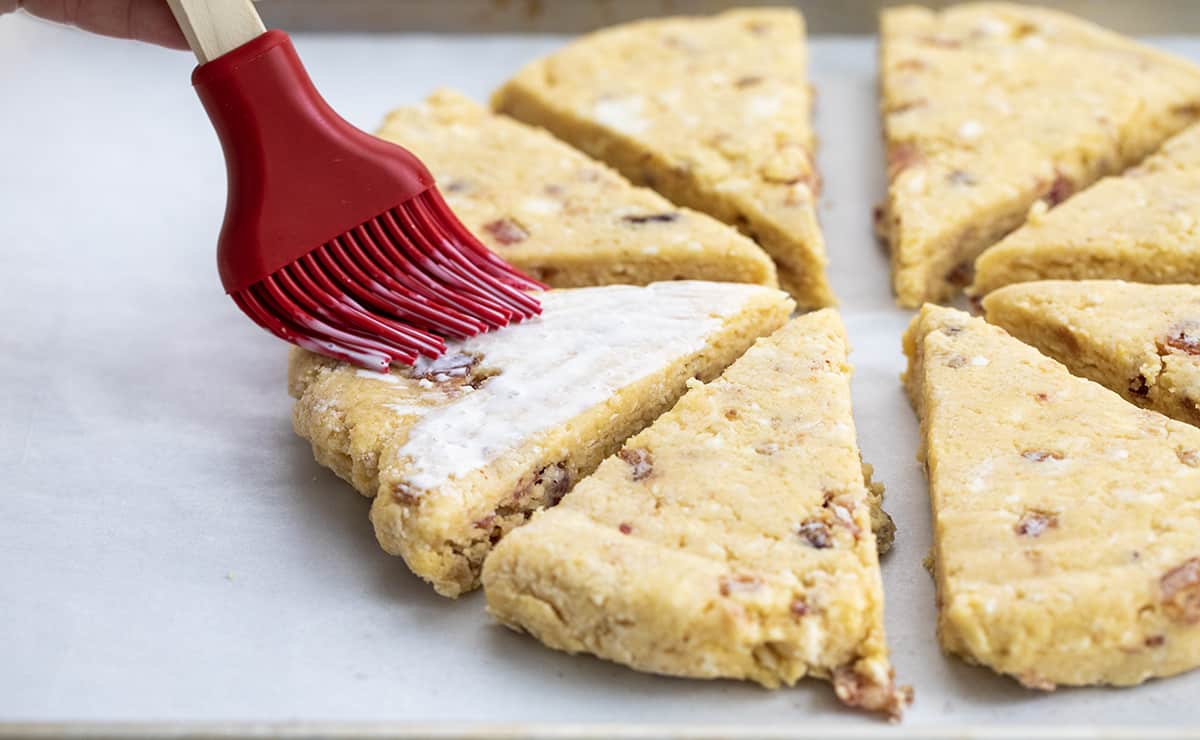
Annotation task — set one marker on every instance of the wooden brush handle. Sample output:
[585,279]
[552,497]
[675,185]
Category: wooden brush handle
[214,27]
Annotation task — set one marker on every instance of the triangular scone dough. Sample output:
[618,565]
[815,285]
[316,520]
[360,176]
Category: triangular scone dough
[1141,227]
[990,108]
[1065,520]
[557,214]
[711,112]
[731,539]
[460,450]
[1142,341]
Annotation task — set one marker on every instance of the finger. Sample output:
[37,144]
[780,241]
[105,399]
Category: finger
[143,20]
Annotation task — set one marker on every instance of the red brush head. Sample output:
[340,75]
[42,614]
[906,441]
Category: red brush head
[333,239]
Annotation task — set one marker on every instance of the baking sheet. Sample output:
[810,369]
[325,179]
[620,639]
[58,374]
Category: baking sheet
[169,551]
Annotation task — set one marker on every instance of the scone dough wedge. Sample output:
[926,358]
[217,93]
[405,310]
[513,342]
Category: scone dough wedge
[731,539]
[1142,341]
[559,215]
[991,108]
[459,451]
[1139,227]
[1065,519]
[712,112]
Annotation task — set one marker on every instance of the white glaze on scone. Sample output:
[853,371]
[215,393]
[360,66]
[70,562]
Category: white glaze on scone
[558,365]
[458,451]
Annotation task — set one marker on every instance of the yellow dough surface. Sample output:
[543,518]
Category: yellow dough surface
[730,539]
[460,450]
[991,108]
[1143,226]
[712,112]
[1142,341]
[1065,519]
[559,215]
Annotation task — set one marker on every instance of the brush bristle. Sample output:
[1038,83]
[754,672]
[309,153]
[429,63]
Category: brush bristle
[389,290]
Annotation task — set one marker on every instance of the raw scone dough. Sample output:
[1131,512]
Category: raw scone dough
[1065,520]
[1142,341]
[1142,227]
[460,450]
[991,108]
[558,215]
[731,539]
[712,112]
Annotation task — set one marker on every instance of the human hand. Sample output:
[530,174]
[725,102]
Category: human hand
[142,20]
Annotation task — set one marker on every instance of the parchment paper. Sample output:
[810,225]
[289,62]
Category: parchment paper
[170,551]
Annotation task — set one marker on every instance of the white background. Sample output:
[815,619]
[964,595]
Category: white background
[168,548]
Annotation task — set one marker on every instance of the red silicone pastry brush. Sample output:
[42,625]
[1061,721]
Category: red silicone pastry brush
[333,240]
